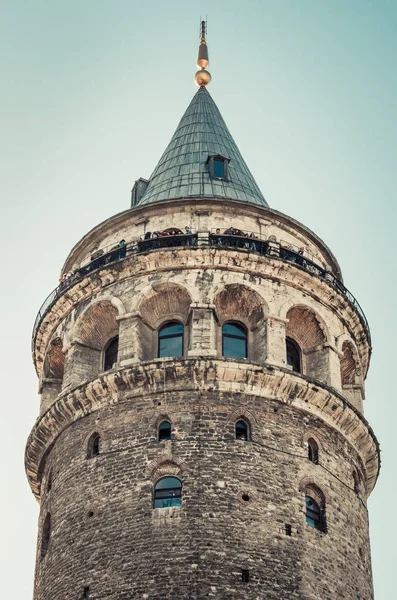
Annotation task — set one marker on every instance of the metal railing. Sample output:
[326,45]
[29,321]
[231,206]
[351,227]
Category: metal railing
[216,240]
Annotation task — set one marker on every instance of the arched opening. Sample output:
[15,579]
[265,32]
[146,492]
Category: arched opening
[94,346]
[164,431]
[242,307]
[110,354]
[348,367]
[242,430]
[170,340]
[167,493]
[294,360]
[234,340]
[54,360]
[312,448]
[45,536]
[305,338]
[93,446]
[315,508]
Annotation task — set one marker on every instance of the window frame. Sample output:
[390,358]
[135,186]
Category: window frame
[247,430]
[163,422]
[316,516]
[243,328]
[168,489]
[298,350]
[105,350]
[171,336]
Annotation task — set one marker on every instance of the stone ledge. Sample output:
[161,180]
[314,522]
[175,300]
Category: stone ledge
[270,382]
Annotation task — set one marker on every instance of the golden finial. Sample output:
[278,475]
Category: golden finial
[202,77]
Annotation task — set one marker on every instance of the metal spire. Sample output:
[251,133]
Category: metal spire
[202,77]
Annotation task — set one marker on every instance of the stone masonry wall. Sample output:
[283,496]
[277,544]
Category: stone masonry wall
[106,536]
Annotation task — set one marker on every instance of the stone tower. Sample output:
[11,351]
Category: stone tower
[201,367]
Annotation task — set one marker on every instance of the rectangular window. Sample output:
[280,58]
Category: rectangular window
[219,168]
[245,575]
[288,529]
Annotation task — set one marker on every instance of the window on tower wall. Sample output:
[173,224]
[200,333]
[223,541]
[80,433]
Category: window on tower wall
[242,430]
[164,431]
[45,538]
[93,445]
[312,448]
[315,511]
[234,341]
[110,355]
[167,493]
[218,166]
[170,340]
[293,355]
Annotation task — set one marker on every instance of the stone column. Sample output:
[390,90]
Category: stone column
[275,334]
[82,363]
[129,339]
[202,331]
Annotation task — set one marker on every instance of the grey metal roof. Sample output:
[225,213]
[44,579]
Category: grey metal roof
[182,171]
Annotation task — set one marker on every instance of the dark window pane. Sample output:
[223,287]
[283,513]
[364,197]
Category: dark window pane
[111,353]
[313,513]
[168,492]
[219,167]
[234,329]
[171,329]
[234,341]
[170,347]
[168,482]
[171,340]
[293,356]
[165,431]
[241,430]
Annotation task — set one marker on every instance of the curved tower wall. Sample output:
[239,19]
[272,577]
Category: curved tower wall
[240,499]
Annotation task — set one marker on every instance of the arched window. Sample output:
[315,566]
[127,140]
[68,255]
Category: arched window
[171,340]
[312,448]
[164,431]
[110,355]
[242,430]
[234,341]
[293,355]
[167,492]
[315,514]
[45,537]
[93,445]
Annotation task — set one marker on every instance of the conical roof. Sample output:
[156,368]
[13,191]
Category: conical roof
[183,170]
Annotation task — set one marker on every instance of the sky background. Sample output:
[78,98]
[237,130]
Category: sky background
[91,93]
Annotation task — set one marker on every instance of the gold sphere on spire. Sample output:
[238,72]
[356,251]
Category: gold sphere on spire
[202,78]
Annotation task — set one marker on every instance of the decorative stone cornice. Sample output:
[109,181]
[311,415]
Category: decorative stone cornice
[170,375]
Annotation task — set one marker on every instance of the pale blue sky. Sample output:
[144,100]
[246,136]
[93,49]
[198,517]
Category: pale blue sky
[91,92]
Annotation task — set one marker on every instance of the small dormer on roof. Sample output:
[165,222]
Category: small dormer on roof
[202,160]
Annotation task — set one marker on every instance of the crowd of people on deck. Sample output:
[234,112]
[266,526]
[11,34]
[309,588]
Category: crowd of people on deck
[100,257]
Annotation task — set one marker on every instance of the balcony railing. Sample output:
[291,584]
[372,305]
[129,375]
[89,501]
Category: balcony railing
[221,241]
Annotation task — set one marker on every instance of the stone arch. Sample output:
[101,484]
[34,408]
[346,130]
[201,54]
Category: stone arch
[161,303]
[166,466]
[97,325]
[54,361]
[308,331]
[321,496]
[92,332]
[349,365]
[240,303]
[243,412]
[165,302]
